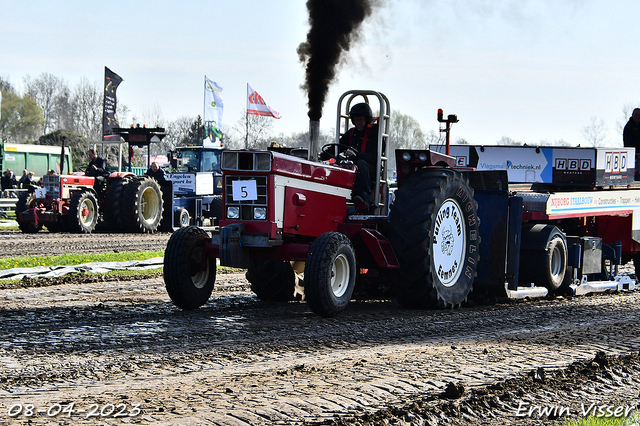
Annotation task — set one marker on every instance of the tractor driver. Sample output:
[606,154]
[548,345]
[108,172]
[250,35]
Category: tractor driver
[97,168]
[363,140]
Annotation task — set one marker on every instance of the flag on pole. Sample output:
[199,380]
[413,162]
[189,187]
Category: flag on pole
[213,109]
[257,106]
[109,118]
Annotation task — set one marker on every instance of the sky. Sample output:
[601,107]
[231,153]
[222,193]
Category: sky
[530,70]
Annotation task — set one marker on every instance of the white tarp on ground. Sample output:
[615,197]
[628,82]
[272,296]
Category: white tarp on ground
[98,267]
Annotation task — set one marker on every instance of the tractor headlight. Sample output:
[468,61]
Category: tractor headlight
[422,157]
[233,212]
[406,156]
[260,213]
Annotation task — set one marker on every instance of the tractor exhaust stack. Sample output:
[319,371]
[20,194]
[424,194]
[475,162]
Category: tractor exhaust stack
[314,139]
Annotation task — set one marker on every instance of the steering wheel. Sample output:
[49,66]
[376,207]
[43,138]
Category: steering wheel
[329,148]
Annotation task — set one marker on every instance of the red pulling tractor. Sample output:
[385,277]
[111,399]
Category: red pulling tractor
[285,215]
[73,203]
[128,203]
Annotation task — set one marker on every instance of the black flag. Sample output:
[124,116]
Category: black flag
[62,157]
[109,118]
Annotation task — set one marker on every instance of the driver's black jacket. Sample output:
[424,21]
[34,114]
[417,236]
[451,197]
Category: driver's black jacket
[101,168]
[631,135]
[159,175]
[364,143]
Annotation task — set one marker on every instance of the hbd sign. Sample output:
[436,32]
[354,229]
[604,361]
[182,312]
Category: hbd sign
[573,164]
[615,162]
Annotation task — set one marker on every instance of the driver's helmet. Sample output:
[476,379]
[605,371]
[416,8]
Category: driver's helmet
[361,109]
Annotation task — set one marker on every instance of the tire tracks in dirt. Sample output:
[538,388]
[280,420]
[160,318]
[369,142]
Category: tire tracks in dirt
[240,361]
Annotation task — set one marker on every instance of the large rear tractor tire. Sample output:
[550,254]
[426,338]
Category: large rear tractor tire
[272,280]
[26,201]
[330,274]
[113,205]
[189,273]
[434,232]
[543,256]
[83,213]
[142,205]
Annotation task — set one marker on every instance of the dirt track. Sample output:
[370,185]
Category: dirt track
[238,361]
[15,243]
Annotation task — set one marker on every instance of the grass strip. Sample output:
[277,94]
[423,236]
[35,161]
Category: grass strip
[75,259]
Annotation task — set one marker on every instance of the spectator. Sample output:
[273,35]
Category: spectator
[156,172]
[9,182]
[23,182]
[631,136]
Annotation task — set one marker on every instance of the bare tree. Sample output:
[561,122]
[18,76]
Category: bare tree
[178,132]
[151,117]
[405,133]
[254,131]
[505,140]
[63,110]
[47,90]
[86,102]
[595,133]
[627,110]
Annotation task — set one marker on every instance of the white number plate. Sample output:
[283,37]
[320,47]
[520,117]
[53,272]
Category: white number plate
[41,192]
[245,190]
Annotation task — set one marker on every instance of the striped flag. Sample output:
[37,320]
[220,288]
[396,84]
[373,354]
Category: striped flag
[257,106]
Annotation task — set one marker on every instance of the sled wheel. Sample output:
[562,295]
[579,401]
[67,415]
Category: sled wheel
[543,256]
[181,218]
[330,274]
[189,272]
[434,232]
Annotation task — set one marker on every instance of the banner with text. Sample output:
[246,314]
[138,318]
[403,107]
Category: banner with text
[109,117]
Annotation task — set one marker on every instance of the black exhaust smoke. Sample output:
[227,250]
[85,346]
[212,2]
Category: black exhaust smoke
[335,24]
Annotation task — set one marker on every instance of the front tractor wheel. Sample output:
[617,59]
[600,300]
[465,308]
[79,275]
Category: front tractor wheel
[26,200]
[83,212]
[189,272]
[330,274]
[435,236]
